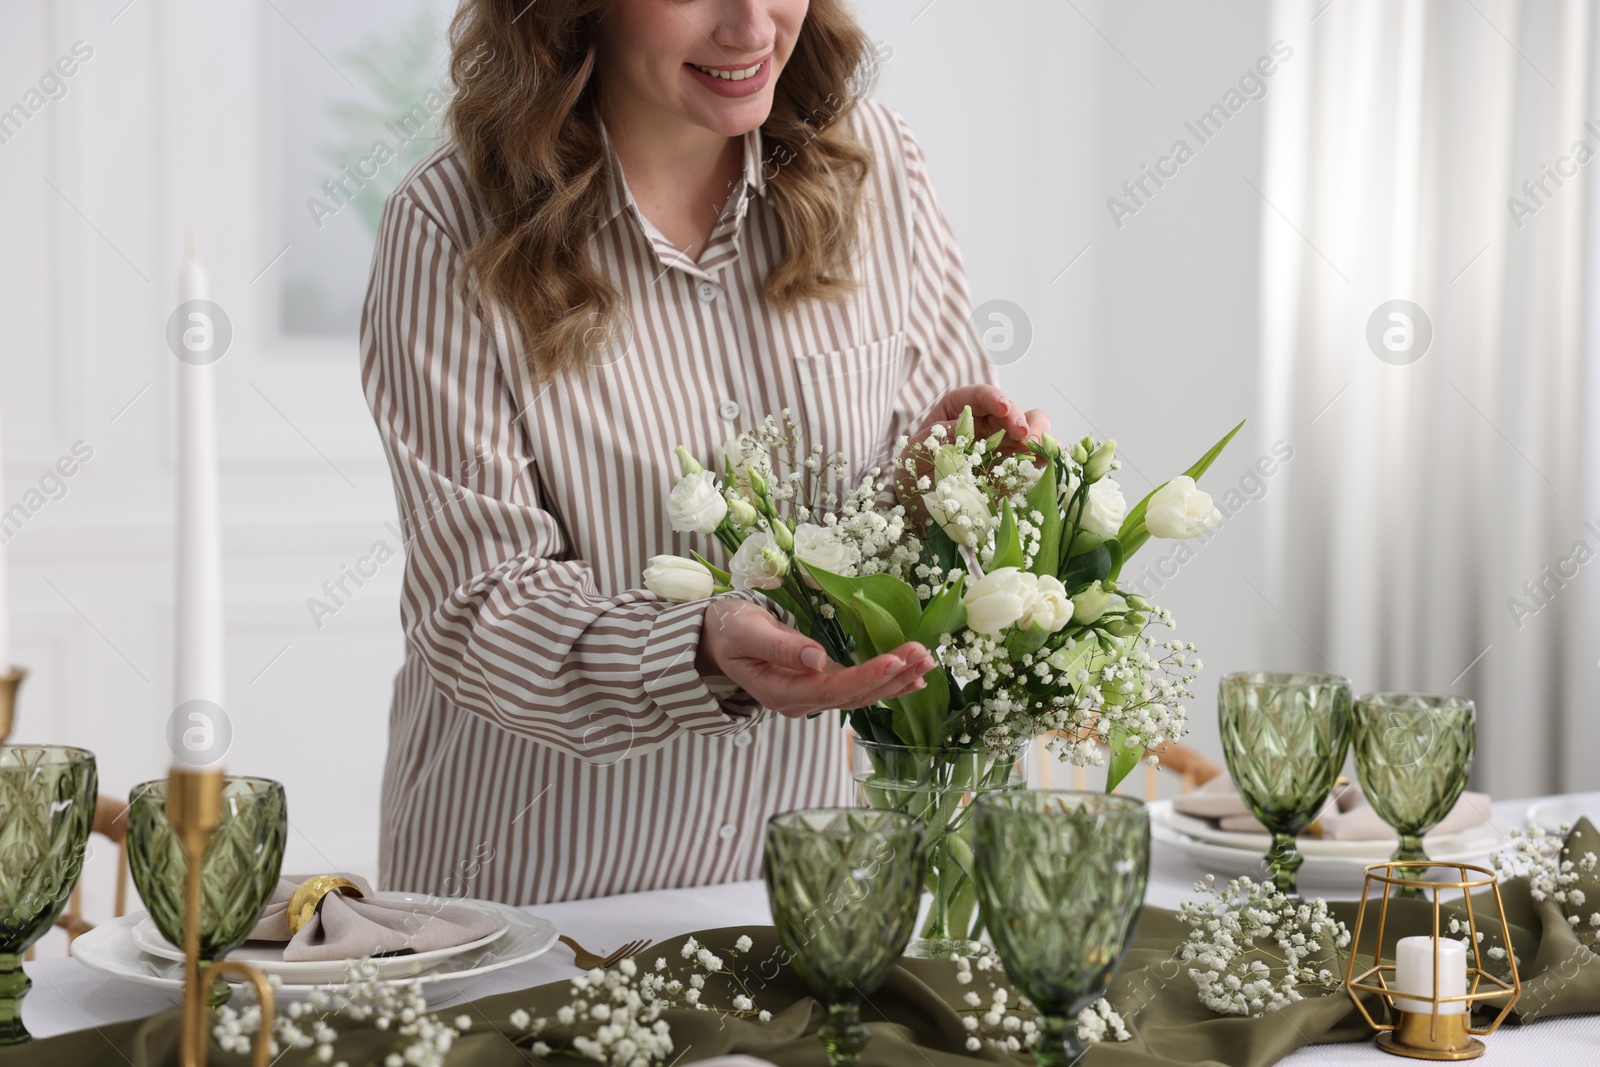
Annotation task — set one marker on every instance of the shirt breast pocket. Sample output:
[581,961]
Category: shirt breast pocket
[848,399]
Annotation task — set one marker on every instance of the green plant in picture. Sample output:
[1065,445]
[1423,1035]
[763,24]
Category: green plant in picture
[395,73]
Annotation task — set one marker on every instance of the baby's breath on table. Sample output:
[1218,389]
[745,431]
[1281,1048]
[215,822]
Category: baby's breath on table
[613,1016]
[996,1014]
[1553,873]
[1251,949]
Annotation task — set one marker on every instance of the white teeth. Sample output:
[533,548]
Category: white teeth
[729,75]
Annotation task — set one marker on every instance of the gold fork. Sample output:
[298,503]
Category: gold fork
[588,961]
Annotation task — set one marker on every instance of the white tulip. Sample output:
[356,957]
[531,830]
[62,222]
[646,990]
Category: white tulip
[695,505]
[999,599]
[822,547]
[678,579]
[1052,608]
[960,508]
[1179,509]
[759,563]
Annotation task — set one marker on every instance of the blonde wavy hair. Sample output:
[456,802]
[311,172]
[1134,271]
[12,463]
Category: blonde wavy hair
[527,121]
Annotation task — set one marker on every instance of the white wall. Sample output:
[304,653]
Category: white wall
[1032,116]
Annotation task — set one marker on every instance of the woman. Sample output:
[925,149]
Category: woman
[657,223]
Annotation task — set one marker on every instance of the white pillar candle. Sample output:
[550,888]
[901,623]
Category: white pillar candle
[1413,973]
[198,596]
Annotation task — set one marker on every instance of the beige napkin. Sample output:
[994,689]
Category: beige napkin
[352,927]
[1346,817]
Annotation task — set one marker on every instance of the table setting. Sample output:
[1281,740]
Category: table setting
[956,913]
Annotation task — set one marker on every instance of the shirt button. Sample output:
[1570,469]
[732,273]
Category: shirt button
[741,740]
[727,830]
[707,292]
[729,409]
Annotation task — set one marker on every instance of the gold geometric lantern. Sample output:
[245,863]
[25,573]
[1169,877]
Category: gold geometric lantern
[1431,987]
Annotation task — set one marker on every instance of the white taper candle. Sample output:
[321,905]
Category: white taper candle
[199,565]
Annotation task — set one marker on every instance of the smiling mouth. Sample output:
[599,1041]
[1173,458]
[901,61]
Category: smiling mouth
[738,75]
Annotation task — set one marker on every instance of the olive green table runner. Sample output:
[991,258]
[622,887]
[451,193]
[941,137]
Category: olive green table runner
[915,1017]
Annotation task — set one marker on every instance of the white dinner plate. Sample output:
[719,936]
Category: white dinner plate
[268,957]
[1337,868]
[1551,813]
[110,949]
[1259,841]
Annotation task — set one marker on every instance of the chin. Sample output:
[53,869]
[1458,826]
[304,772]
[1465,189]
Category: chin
[736,118]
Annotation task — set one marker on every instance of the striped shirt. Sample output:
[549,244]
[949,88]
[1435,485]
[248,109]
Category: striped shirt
[550,737]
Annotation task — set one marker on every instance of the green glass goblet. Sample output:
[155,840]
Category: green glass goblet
[47,798]
[1413,752]
[1061,876]
[844,885]
[237,874]
[1284,737]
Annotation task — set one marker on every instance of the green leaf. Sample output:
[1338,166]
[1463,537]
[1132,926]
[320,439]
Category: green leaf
[1007,544]
[1123,759]
[716,572]
[1044,498]
[946,613]
[1021,642]
[1133,534]
[919,719]
[1086,542]
[886,634]
[940,550]
[1092,566]
[883,590]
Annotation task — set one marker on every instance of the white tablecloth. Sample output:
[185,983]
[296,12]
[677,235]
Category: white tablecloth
[67,996]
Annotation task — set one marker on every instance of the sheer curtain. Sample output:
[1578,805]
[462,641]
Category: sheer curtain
[1442,529]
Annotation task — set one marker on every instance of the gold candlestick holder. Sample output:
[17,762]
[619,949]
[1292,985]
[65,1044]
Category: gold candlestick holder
[1432,1035]
[10,682]
[194,806]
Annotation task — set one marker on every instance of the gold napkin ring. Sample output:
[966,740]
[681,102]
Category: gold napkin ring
[308,896]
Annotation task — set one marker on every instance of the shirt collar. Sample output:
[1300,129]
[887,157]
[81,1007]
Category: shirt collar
[618,197]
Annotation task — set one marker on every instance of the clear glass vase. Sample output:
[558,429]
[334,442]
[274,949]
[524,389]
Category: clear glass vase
[938,787]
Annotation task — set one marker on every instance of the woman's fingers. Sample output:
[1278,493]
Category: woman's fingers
[991,410]
[889,675]
[785,647]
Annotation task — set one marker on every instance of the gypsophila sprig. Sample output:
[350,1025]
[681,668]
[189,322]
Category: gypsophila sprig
[1252,950]
[613,1016]
[996,1014]
[1553,873]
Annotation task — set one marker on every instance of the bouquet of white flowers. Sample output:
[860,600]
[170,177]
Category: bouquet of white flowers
[1002,562]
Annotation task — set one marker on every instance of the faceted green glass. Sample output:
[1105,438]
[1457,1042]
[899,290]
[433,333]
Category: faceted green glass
[1061,876]
[237,874]
[844,886]
[1284,737]
[937,786]
[47,798]
[1413,752]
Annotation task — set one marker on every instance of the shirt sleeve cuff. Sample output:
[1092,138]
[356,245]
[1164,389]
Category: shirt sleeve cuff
[706,705]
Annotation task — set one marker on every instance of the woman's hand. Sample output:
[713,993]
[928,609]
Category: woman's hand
[991,410]
[790,673]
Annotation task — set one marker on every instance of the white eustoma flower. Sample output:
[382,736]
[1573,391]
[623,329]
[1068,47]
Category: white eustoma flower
[960,508]
[695,505]
[1104,509]
[999,599]
[1052,608]
[759,563]
[1179,509]
[678,579]
[822,547]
